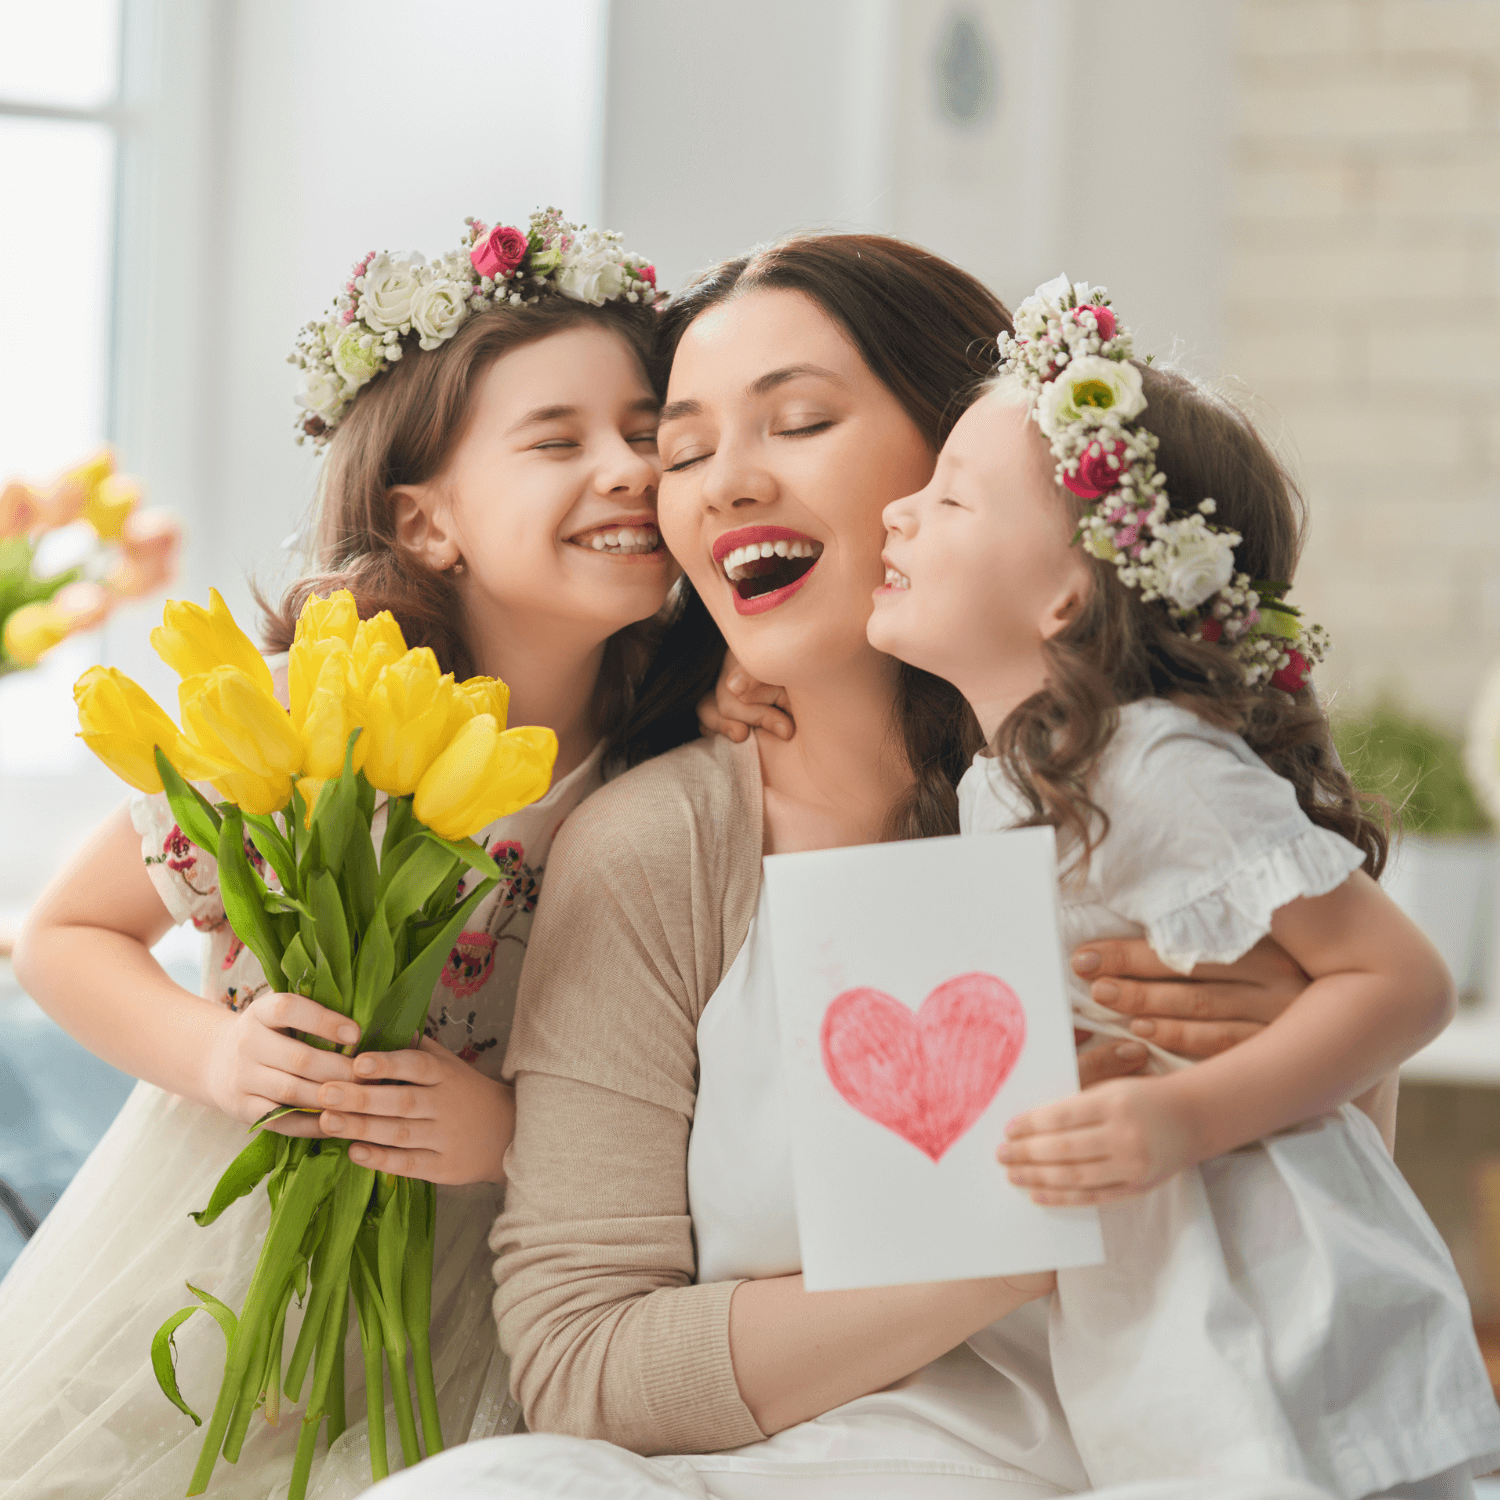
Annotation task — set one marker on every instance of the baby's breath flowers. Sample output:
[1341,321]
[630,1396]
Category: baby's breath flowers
[361,931]
[392,298]
[1072,360]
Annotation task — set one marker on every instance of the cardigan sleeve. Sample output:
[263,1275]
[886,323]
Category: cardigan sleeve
[649,893]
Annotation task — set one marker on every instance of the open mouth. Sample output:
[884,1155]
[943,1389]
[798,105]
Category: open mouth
[763,560]
[896,580]
[633,540]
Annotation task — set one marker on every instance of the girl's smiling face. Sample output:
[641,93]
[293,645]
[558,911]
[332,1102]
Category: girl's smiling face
[981,569]
[549,497]
[780,448]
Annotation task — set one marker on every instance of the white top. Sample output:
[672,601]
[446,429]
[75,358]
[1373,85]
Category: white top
[1287,1309]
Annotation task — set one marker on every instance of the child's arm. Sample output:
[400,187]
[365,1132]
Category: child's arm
[85,956]
[1379,993]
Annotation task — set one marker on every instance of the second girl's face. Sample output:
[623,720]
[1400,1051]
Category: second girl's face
[550,495]
[981,566]
[779,450]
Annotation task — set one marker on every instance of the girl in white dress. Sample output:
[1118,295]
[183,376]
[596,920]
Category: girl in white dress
[496,490]
[1274,1302]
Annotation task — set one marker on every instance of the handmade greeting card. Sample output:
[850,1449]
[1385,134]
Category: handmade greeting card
[922,1005]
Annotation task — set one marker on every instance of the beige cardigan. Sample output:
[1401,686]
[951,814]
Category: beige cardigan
[649,893]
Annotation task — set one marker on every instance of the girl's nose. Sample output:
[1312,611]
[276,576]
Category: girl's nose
[629,471]
[900,516]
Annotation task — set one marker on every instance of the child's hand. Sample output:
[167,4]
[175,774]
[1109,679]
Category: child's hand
[739,702]
[1116,1140]
[422,1112]
[254,1066]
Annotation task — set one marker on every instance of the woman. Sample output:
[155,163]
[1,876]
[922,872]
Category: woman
[649,1287]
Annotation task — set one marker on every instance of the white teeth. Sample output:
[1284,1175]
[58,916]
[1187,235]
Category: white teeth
[895,580]
[623,539]
[733,562]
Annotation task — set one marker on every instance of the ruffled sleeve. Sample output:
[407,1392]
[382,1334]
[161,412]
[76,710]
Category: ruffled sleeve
[1205,842]
[186,878]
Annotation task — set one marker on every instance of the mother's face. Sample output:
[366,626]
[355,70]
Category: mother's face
[780,449]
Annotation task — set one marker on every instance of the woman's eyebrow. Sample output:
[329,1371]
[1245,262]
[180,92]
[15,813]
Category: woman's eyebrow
[773,378]
[674,410]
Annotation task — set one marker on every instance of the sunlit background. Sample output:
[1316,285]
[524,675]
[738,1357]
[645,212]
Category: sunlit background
[1298,197]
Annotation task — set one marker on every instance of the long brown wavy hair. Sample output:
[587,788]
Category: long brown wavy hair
[927,331]
[402,430]
[1119,649]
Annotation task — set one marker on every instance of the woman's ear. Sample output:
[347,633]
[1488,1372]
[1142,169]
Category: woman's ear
[423,527]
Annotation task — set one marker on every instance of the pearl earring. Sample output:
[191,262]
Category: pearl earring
[455,568]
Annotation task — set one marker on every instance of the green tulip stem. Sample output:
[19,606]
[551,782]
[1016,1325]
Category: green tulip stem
[370,1338]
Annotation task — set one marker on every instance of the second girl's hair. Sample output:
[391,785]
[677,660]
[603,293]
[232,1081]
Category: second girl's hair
[402,430]
[1120,649]
[927,331]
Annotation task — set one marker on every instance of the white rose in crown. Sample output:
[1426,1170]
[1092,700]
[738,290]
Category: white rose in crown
[1197,567]
[1090,389]
[354,359]
[590,272]
[321,392]
[437,309]
[385,294]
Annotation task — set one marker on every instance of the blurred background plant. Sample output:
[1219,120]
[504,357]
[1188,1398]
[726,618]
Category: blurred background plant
[71,552]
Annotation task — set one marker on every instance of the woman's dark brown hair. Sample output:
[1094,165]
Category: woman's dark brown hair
[1119,649]
[927,331]
[402,430]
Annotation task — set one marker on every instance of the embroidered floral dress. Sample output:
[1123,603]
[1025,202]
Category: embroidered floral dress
[81,1416]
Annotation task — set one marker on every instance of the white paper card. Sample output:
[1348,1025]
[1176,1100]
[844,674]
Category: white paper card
[922,1004]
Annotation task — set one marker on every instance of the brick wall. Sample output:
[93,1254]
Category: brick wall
[1364,314]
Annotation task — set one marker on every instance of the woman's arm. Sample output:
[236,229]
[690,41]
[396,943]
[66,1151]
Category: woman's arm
[1379,992]
[84,955]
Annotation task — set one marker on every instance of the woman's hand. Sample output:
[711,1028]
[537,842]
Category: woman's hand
[739,703]
[1214,1008]
[1116,1140]
[254,1064]
[422,1112]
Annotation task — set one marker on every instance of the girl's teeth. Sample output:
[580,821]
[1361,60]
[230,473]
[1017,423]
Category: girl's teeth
[624,539]
[895,580]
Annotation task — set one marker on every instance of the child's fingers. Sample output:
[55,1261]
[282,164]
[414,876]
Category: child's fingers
[422,1064]
[424,1164]
[282,1012]
[1066,1114]
[282,1088]
[1088,1144]
[287,1055]
[1080,1197]
[390,1101]
[1059,1176]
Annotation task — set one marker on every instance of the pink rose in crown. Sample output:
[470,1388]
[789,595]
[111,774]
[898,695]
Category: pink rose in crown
[499,252]
[1095,477]
[1102,316]
[1292,677]
[647,273]
[1210,629]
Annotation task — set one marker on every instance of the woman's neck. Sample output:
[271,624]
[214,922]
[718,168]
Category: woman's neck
[551,668]
[835,781]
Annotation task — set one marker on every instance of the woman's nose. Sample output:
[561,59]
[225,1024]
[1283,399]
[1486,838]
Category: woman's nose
[732,482]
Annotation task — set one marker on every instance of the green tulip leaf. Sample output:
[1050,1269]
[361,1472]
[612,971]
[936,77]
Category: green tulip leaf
[280,902]
[297,967]
[398,821]
[332,929]
[243,893]
[421,873]
[337,811]
[373,969]
[194,812]
[468,850]
[240,1176]
[359,879]
[274,849]
[164,1345]
[280,1113]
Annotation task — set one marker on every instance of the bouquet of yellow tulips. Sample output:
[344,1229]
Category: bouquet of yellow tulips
[134,553]
[363,936]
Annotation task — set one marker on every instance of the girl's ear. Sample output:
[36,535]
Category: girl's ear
[422,526]
[1067,606]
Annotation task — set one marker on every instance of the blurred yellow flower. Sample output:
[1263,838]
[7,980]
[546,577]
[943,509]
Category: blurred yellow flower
[75,490]
[485,773]
[109,503]
[235,721]
[20,508]
[193,640]
[408,720]
[337,615]
[33,630]
[121,723]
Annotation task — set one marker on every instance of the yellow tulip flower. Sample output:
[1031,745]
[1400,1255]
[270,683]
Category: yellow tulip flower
[331,715]
[377,643]
[193,640]
[304,669]
[337,615]
[407,721]
[485,773]
[109,503]
[311,788]
[489,696]
[236,722]
[122,724]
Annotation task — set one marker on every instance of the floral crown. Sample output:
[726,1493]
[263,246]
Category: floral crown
[389,297]
[1073,360]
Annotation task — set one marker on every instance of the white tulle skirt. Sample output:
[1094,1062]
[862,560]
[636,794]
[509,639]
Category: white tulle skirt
[81,1415]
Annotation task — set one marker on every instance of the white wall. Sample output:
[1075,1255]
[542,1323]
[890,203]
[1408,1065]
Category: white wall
[729,124]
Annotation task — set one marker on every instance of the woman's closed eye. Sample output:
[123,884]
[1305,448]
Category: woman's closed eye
[805,429]
[687,461]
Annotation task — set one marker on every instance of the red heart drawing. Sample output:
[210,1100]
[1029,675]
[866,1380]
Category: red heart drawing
[928,1076]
